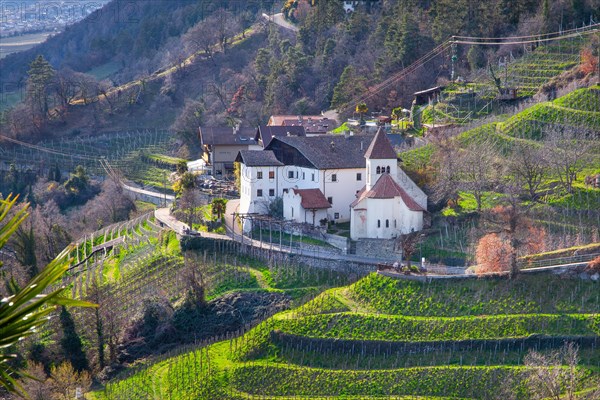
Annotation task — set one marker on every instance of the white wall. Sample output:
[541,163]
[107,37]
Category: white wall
[293,210]
[342,191]
[250,202]
[411,188]
[373,176]
[401,219]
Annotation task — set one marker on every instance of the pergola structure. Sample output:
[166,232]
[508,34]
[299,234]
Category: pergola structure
[273,225]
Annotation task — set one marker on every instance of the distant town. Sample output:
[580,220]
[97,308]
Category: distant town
[27,16]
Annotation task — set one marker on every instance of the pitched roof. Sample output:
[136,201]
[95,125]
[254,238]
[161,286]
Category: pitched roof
[312,125]
[381,148]
[279,119]
[225,136]
[267,132]
[387,188]
[312,199]
[258,158]
[328,151]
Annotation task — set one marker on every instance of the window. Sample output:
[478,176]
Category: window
[303,176]
[271,192]
[286,190]
[259,193]
[333,177]
[387,169]
[336,215]
[379,223]
[395,224]
[378,170]
[387,223]
[271,174]
[291,174]
[330,200]
[359,177]
[292,212]
[313,177]
[259,175]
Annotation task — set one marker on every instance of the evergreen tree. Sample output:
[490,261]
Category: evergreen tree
[71,342]
[41,75]
[349,86]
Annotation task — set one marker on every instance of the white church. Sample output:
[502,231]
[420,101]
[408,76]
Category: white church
[337,178]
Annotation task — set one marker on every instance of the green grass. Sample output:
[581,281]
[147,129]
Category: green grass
[257,366]
[359,326]
[524,295]
[286,380]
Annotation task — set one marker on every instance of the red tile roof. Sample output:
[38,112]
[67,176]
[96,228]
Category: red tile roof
[312,199]
[381,148]
[387,188]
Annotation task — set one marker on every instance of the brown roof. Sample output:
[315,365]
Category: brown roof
[312,199]
[226,136]
[323,151]
[265,133]
[381,147]
[387,188]
[258,158]
[312,125]
[279,119]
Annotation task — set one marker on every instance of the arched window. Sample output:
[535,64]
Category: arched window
[378,170]
[387,223]
[387,169]
[379,223]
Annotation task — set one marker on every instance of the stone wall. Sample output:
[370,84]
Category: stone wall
[377,248]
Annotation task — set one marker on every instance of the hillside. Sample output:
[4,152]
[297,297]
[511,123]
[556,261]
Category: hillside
[327,63]
[465,339]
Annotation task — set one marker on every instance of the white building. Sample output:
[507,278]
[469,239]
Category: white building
[320,178]
[383,209]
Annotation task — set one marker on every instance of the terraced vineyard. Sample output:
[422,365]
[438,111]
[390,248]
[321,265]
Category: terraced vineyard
[383,337]
[537,67]
[460,103]
[138,155]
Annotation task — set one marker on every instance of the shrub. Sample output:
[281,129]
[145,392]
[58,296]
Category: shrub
[493,254]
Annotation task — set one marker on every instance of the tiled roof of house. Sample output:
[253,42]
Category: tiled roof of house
[268,132]
[381,148]
[312,199]
[258,158]
[225,136]
[313,125]
[330,151]
[279,119]
[387,188]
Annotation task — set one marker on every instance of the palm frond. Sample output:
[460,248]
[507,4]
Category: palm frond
[22,314]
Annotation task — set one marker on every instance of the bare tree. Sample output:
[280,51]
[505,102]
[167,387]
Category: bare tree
[408,244]
[474,169]
[34,382]
[202,37]
[227,26]
[511,222]
[555,375]
[529,167]
[567,151]
[188,206]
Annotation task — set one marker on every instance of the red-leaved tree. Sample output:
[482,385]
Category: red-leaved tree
[493,254]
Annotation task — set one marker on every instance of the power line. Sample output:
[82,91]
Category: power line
[46,150]
[467,40]
[557,34]
[572,35]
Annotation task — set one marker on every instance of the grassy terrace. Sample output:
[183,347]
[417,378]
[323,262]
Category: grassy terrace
[258,365]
